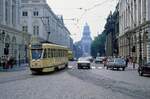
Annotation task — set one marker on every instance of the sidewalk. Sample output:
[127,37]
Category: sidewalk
[15,68]
[130,66]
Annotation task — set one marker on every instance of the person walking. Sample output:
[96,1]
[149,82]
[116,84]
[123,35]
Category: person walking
[134,61]
[127,61]
[4,62]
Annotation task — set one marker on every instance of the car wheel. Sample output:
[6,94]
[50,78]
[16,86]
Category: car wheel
[89,67]
[79,67]
[123,68]
[34,72]
[107,67]
[140,73]
[117,68]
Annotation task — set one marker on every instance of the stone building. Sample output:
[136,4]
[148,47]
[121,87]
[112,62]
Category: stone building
[39,20]
[112,31]
[13,42]
[86,41]
[134,33]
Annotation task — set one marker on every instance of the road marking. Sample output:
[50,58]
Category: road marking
[93,67]
[100,67]
[70,66]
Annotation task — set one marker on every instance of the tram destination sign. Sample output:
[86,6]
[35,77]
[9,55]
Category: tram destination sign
[38,46]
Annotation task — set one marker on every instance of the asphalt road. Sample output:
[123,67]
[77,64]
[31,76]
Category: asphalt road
[71,83]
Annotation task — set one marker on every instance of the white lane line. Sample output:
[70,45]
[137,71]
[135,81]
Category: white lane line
[93,67]
[70,66]
[100,67]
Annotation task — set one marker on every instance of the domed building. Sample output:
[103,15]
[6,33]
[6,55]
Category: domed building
[86,41]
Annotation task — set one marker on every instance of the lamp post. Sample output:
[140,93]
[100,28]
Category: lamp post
[140,49]
[128,38]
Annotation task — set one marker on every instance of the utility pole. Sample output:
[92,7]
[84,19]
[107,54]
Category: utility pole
[46,25]
[128,38]
[140,49]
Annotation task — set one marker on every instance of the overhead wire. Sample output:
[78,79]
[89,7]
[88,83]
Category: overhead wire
[91,8]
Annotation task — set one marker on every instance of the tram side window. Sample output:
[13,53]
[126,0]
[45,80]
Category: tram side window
[60,53]
[52,52]
[63,53]
[57,53]
[45,53]
[49,53]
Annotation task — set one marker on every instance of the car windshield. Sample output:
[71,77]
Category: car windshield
[36,53]
[83,59]
[119,60]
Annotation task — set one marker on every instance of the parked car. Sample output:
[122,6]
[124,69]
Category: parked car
[99,59]
[116,63]
[83,62]
[144,69]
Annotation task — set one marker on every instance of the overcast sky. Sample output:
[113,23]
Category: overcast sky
[77,12]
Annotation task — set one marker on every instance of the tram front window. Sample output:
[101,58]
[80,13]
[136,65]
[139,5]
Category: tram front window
[36,53]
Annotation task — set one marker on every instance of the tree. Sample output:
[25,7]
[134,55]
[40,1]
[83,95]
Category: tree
[98,45]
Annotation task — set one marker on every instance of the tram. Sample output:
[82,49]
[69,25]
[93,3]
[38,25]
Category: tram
[46,57]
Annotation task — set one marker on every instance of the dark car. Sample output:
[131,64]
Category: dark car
[144,69]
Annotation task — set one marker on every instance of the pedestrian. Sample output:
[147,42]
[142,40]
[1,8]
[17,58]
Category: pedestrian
[0,61]
[11,62]
[4,62]
[105,61]
[134,61]
[127,60]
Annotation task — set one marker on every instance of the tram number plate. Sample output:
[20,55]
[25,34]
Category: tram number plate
[47,69]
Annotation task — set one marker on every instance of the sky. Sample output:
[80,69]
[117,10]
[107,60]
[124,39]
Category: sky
[77,12]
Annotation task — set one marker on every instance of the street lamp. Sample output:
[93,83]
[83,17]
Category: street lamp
[140,48]
[128,38]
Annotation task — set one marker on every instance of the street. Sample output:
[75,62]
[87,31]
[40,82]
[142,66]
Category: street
[73,83]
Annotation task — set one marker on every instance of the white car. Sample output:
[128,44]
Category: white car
[83,63]
[99,59]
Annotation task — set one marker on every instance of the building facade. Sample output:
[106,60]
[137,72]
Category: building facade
[134,33]
[13,42]
[86,41]
[39,20]
[112,33]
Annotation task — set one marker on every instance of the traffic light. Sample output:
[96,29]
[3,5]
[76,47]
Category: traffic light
[133,49]
[6,51]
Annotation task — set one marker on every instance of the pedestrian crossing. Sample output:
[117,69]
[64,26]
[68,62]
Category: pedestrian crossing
[92,67]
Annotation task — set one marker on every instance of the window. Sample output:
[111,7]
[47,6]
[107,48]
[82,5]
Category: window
[25,28]
[45,53]
[24,13]
[35,13]
[49,53]
[36,30]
